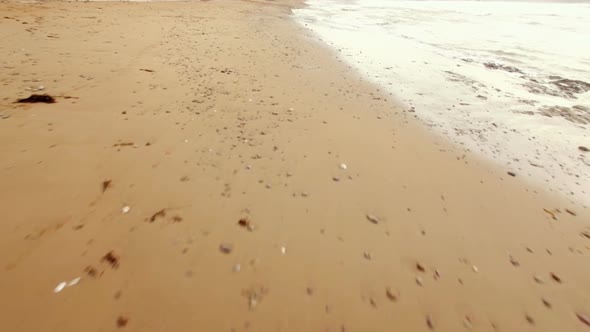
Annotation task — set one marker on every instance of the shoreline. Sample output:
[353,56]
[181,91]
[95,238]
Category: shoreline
[192,116]
[460,93]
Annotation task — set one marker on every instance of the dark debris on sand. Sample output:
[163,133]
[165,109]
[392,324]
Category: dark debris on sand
[37,99]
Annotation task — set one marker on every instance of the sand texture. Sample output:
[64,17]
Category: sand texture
[210,166]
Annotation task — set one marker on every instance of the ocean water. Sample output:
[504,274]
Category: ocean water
[508,80]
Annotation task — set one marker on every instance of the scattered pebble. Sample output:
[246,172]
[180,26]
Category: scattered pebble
[158,214]
[583,148]
[556,278]
[467,322]
[122,321]
[530,319]
[343,166]
[372,218]
[125,209]
[419,280]
[511,173]
[436,275]
[367,255]
[429,322]
[309,291]
[252,302]
[246,223]
[283,250]
[474,268]
[583,318]
[91,271]
[514,262]
[237,268]
[60,287]
[64,284]
[546,303]
[571,212]
[335,179]
[74,282]
[111,258]
[106,184]
[226,248]
[539,280]
[391,295]
[420,268]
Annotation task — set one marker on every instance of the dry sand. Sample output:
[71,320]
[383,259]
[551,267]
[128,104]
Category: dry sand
[243,114]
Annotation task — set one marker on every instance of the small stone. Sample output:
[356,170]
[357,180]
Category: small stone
[367,255]
[419,280]
[511,173]
[122,321]
[546,303]
[60,287]
[583,318]
[283,250]
[335,179]
[571,212]
[514,262]
[467,322]
[237,268]
[436,275]
[391,295]
[556,278]
[538,279]
[309,291]
[252,302]
[184,179]
[372,218]
[474,268]
[226,248]
[74,282]
[530,319]
[343,166]
[429,322]
[583,148]
[125,209]
[419,267]
[106,184]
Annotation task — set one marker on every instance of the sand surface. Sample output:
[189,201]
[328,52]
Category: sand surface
[174,121]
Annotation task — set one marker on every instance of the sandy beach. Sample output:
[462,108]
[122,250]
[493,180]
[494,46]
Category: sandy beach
[211,166]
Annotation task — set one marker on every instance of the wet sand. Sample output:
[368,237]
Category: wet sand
[190,174]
